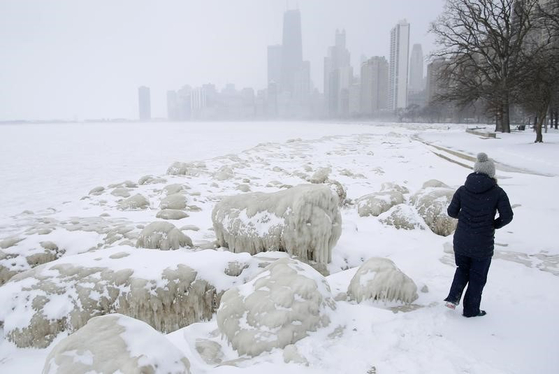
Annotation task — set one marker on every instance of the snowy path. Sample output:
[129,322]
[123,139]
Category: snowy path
[517,335]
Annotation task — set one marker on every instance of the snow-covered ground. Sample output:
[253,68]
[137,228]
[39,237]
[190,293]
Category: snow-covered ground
[48,171]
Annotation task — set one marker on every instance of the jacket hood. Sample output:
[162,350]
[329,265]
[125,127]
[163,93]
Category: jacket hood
[479,183]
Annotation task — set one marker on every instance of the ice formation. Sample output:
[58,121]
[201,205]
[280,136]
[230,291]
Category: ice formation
[379,202]
[278,307]
[133,203]
[431,202]
[303,221]
[162,235]
[116,344]
[35,306]
[379,279]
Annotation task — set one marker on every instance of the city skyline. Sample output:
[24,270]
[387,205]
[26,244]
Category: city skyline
[93,72]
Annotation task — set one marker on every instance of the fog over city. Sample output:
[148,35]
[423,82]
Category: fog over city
[74,60]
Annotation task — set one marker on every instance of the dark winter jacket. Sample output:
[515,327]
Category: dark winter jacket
[475,205]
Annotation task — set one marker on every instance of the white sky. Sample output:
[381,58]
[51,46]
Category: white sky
[85,59]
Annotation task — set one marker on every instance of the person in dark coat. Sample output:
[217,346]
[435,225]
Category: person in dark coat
[475,204]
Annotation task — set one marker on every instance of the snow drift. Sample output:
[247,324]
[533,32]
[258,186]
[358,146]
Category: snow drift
[379,279]
[303,221]
[278,307]
[116,343]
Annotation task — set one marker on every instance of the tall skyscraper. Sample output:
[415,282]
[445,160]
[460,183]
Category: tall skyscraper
[417,81]
[336,74]
[399,61]
[292,49]
[274,63]
[144,103]
[374,85]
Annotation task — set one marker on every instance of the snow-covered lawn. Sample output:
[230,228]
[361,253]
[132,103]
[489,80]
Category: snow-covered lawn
[53,213]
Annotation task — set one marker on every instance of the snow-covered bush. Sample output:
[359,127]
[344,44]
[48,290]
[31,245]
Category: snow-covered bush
[402,217]
[303,221]
[278,307]
[379,202]
[379,279]
[36,305]
[162,235]
[431,202]
[116,343]
[133,203]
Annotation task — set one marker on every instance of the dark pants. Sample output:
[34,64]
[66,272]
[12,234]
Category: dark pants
[471,272]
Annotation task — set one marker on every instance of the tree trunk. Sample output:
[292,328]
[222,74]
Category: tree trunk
[539,124]
[499,119]
[506,115]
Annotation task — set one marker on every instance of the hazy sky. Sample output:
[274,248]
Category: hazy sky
[85,59]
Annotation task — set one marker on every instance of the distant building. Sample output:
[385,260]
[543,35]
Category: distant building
[374,85]
[417,80]
[399,61]
[292,49]
[275,63]
[172,106]
[144,103]
[338,58]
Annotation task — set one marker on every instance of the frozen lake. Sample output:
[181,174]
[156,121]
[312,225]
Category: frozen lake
[43,164]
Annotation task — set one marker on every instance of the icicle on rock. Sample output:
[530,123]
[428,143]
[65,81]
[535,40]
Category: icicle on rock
[303,221]
[280,306]
[379,279]
[116,343]
[37,305]
[162,235]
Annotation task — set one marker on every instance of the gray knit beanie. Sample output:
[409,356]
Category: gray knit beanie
[484,165]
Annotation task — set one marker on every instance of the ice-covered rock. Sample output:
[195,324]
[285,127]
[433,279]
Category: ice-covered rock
[403,217]
[116,344]
[135,202]
[97,191]
[303,221]
[432,202]
[192,169]
[321,175]
[149,179]
[168,290]
[172,189]
[172,214]
[162,235]
[278,307]
[121,192]
[379,202]
[380,279]
[174,201]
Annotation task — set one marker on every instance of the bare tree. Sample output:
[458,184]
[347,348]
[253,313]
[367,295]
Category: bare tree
[539,71]
[482,41]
